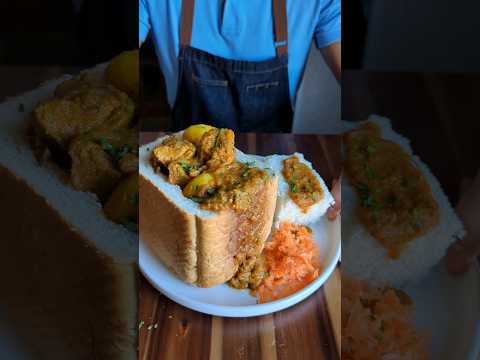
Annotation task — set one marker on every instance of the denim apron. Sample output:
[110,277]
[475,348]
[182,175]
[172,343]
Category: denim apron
[245,96]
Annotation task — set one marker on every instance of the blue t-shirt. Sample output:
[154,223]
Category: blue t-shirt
[239,30]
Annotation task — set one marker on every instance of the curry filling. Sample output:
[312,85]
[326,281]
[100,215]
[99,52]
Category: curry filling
[203,164]
[396,202]
[304,187]
[88,129]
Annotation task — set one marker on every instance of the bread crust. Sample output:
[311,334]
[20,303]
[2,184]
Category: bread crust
[66,299]
[198,250]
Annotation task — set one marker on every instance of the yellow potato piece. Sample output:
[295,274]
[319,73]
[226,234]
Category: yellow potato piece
[194,133]
[122,205]
[198,185]
[123,72]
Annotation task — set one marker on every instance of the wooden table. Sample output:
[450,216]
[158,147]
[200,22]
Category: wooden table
[309,330]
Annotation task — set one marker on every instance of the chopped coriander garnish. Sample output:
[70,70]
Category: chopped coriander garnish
[115,154]
[293,187]
[186,167]
[217,139]
[122,151]
[106,146]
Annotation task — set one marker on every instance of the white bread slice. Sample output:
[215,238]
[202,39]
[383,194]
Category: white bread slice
[197,245]
[68,273]
[286,209]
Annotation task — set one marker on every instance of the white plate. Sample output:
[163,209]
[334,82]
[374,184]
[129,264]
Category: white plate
[447,311]
[223,300]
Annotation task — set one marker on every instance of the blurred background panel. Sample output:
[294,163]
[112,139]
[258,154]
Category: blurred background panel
[437,111]
[410,35]
[41,39]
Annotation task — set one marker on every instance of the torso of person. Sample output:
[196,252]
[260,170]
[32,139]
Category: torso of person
[243,34]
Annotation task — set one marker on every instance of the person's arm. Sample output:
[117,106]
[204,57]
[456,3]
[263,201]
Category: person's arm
[328,35]
[332,55]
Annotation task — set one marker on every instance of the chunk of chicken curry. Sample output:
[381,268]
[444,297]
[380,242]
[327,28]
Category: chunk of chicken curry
[217,148]
[101,158]
[80,109]
[171,149]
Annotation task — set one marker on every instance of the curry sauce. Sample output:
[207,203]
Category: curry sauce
[396,202]
[304,187]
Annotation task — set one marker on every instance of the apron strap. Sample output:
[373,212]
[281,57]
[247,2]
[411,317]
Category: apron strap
[280,24]
[279,8]
[186,22]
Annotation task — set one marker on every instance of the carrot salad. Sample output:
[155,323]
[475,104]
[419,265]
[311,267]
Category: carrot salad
[377,324]
[293,260]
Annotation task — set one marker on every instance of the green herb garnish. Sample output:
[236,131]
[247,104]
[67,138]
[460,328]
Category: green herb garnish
[186,167]
[106,146]
[124,150]
[293,187]
[217,139]
[115,154]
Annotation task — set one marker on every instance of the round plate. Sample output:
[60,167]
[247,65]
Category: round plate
[223,300]
[447,312]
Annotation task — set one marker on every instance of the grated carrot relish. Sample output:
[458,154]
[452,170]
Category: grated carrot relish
[377,324]
[293,260]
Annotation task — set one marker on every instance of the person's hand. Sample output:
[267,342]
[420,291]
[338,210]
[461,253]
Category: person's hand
[462,254]
[335,209]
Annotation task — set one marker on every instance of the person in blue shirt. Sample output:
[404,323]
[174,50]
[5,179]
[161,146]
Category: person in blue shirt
[237,64]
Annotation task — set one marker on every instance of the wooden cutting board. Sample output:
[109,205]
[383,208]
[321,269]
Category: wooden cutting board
[308,330]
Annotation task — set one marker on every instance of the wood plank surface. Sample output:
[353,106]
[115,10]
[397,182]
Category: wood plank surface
[308,330]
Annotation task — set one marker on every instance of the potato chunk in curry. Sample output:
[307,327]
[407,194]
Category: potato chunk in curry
[122,205]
